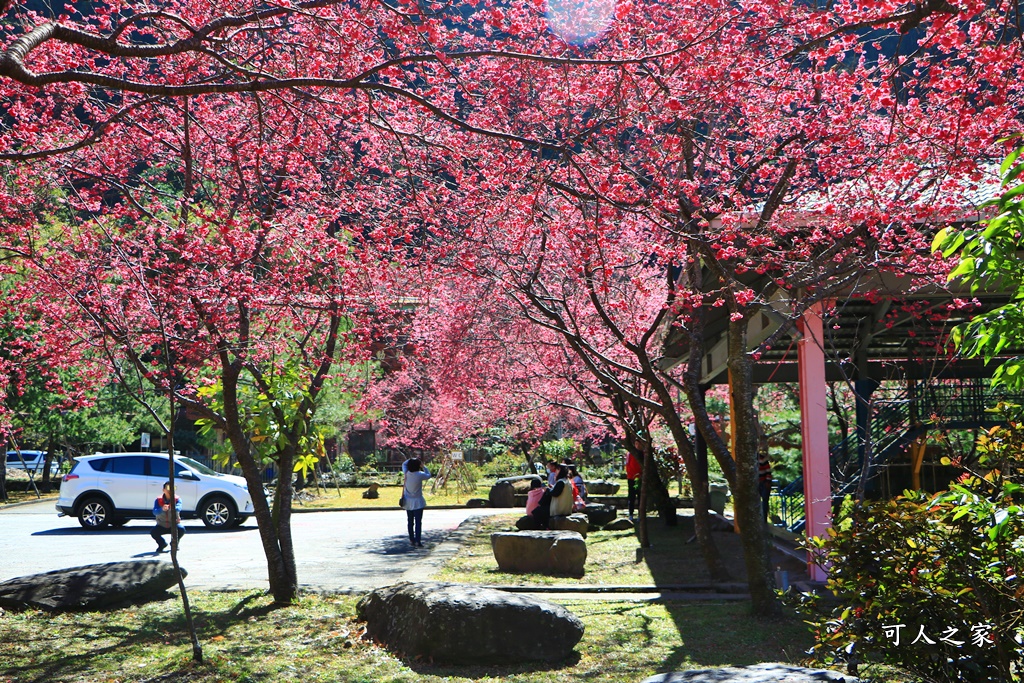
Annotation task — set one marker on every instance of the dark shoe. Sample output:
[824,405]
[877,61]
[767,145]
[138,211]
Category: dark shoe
[160,548]
[418,544]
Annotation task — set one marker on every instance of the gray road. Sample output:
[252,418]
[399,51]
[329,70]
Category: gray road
[334,550]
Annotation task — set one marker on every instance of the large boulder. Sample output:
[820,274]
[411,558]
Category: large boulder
[601,488]
[521,479]
[574,522]
[718,522]
[542,552]
[502,495]
[620,524]
[598,514]
[91,587]
[528,523]
[522,486]
[769,672]
[463,624]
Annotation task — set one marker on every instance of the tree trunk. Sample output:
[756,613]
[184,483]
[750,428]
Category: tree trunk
[585,447]
[280,556]
[747,501]
[197,649]
[645,487]
[47,459]
[525,448]
[701,502]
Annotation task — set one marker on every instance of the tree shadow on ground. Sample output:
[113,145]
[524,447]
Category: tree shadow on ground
[400,545]
[141,530]
[50,661]
[495,671]
[674,558]
[701,635]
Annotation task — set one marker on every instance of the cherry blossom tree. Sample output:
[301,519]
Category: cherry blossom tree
[704,154]
[207,260]
[468,367]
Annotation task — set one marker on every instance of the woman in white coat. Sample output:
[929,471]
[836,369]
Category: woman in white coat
[561,494]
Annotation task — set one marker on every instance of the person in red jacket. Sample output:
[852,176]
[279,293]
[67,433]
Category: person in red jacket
[633,471]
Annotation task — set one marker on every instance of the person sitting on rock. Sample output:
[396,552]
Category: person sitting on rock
[534,495]
[577,481]
[552,473]
[562,494]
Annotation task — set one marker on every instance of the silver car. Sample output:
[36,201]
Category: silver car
[32,461]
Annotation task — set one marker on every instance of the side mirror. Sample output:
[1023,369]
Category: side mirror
[188,474]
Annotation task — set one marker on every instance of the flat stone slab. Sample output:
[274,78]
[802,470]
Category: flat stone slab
[542,552]
[598,514]
[92,587]
[458,623]
[574,522]
[620,524]
[601,488]
[769,672]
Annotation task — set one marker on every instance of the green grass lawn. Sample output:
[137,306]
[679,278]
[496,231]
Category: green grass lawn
[245,639]
[352,497]
[28,497]
[611,558]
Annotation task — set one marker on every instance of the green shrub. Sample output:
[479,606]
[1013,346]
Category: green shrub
[943,568]
[343,464]
[561,450]
[504,465]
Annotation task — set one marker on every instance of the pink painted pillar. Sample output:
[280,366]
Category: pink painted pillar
[814,428]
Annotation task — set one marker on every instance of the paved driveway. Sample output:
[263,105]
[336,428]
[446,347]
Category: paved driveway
[334,550]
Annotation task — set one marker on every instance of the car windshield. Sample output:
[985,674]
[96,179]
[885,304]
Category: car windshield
[198,466]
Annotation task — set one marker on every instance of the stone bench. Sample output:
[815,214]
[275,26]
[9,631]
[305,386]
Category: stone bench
[93,587]
[541,552]
[506,491]
[575,522]
[462,624]
[601,488]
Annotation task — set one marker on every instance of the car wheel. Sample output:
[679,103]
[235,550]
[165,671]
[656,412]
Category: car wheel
[218,513]
[95,513]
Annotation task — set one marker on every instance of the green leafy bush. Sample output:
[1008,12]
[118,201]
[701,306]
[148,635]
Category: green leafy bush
[343,464]
[504,465]
[931,583]
[561,450]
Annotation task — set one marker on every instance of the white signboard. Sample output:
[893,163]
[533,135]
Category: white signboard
[144,440]
[456,455]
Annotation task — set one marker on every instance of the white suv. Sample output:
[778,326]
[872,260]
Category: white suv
[111,488]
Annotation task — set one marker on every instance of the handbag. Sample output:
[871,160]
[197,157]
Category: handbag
[401,501]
